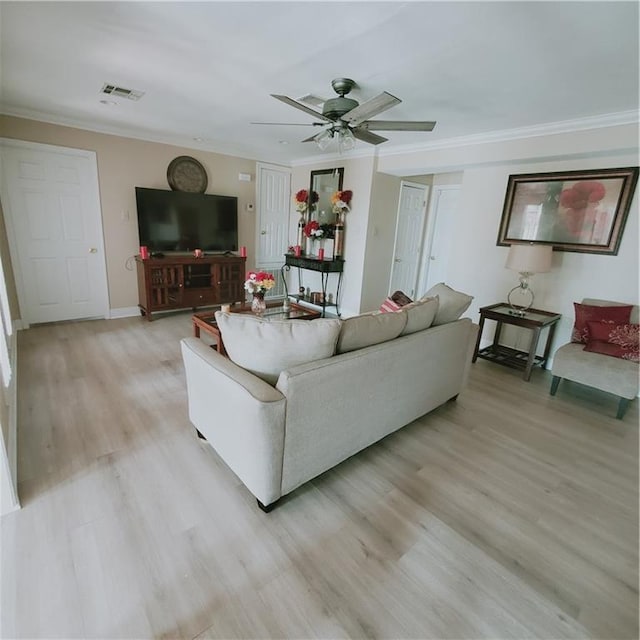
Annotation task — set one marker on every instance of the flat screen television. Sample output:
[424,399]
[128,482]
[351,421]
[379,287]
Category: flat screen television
[176,221]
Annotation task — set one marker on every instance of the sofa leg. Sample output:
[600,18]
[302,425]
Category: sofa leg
[554,385]
[453,399]
[622,407]
[200,435]
[267,507]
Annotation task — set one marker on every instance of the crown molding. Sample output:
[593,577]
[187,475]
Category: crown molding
[551,128]
[565,126]
[212,146]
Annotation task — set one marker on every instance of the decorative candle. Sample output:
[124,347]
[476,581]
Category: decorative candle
[243,252]
[321,253]
[297,250]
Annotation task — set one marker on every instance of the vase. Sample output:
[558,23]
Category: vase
[319,251]
[338,239]
[301,238]
[308,247]
[258,305]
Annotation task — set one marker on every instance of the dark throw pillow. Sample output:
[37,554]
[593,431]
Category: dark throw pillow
[586,313]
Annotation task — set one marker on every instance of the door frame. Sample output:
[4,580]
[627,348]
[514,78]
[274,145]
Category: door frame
[430,229]
[427,195]
[271,267]
[14,249]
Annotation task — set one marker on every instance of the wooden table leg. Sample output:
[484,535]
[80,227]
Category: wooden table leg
[480,327]
[547,349]
[532,353]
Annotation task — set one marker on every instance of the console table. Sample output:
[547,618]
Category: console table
[534,319]
[324,267]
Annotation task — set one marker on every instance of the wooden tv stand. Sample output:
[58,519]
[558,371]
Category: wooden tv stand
[183,281]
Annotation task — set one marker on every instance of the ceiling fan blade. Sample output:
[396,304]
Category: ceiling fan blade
[293,124]
[366,136]
[370,108]
[293,103]
[397,125]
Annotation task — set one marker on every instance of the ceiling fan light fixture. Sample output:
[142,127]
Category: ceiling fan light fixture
[323,139]
[346,140]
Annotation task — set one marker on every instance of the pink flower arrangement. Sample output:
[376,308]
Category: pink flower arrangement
[259,282]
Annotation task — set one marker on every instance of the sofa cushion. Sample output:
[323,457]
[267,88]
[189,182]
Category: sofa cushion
[370,328]
[451,303]
[420,314]
[585,313]
[268,347]
[617,340]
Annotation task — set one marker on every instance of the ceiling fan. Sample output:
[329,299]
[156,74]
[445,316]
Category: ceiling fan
[345,119]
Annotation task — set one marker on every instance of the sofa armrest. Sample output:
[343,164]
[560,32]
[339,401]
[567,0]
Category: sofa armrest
[240,415]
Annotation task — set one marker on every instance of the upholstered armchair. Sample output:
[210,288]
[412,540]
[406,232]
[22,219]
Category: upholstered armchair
[617,375]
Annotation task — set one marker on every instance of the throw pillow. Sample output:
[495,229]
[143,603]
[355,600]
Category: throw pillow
[585,313]
[452,304]
[420,315]
[389,305]
[617,340]
[395,301]
[370,328]
[265,348]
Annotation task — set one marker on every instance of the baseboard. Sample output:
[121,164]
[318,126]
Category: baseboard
[123,312]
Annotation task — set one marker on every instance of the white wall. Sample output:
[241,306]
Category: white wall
[476,265]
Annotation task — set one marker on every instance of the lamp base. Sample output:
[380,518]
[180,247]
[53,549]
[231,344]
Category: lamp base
[522,295]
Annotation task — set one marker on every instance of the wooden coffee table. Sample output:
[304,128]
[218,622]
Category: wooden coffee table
[206,320]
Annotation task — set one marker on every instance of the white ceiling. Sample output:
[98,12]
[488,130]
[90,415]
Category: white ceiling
[207,68]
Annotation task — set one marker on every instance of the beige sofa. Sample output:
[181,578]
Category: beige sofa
[275,438]
[603,372]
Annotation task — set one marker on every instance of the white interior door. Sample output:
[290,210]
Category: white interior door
[439,236]
[54,223]
[408,242]
[274,199]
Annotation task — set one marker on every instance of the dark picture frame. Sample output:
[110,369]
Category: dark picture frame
[325,182]
[579,211]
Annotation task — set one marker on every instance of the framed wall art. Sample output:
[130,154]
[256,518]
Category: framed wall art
[581,211]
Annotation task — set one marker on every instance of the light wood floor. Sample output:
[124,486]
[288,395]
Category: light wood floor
[507,514]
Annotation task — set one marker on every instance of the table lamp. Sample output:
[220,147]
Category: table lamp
[527,259]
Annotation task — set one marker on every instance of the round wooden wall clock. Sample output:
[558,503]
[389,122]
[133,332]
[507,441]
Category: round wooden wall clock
[185,173]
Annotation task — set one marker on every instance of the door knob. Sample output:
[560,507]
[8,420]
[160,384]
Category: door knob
[432,257]
[263,233]
[397,260]
[93,250]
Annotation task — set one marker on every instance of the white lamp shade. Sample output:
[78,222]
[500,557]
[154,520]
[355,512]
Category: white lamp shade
[529,258]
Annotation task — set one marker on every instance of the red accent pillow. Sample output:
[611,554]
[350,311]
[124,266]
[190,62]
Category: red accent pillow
[389,305]
[592,313]
[395,301]
[617,340]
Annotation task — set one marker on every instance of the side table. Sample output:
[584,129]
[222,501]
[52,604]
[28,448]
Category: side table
[534,319]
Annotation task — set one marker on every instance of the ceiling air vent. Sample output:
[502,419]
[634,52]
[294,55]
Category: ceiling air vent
[120,92]
[311,100]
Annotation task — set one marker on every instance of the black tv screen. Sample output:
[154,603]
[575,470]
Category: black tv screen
[176,221]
